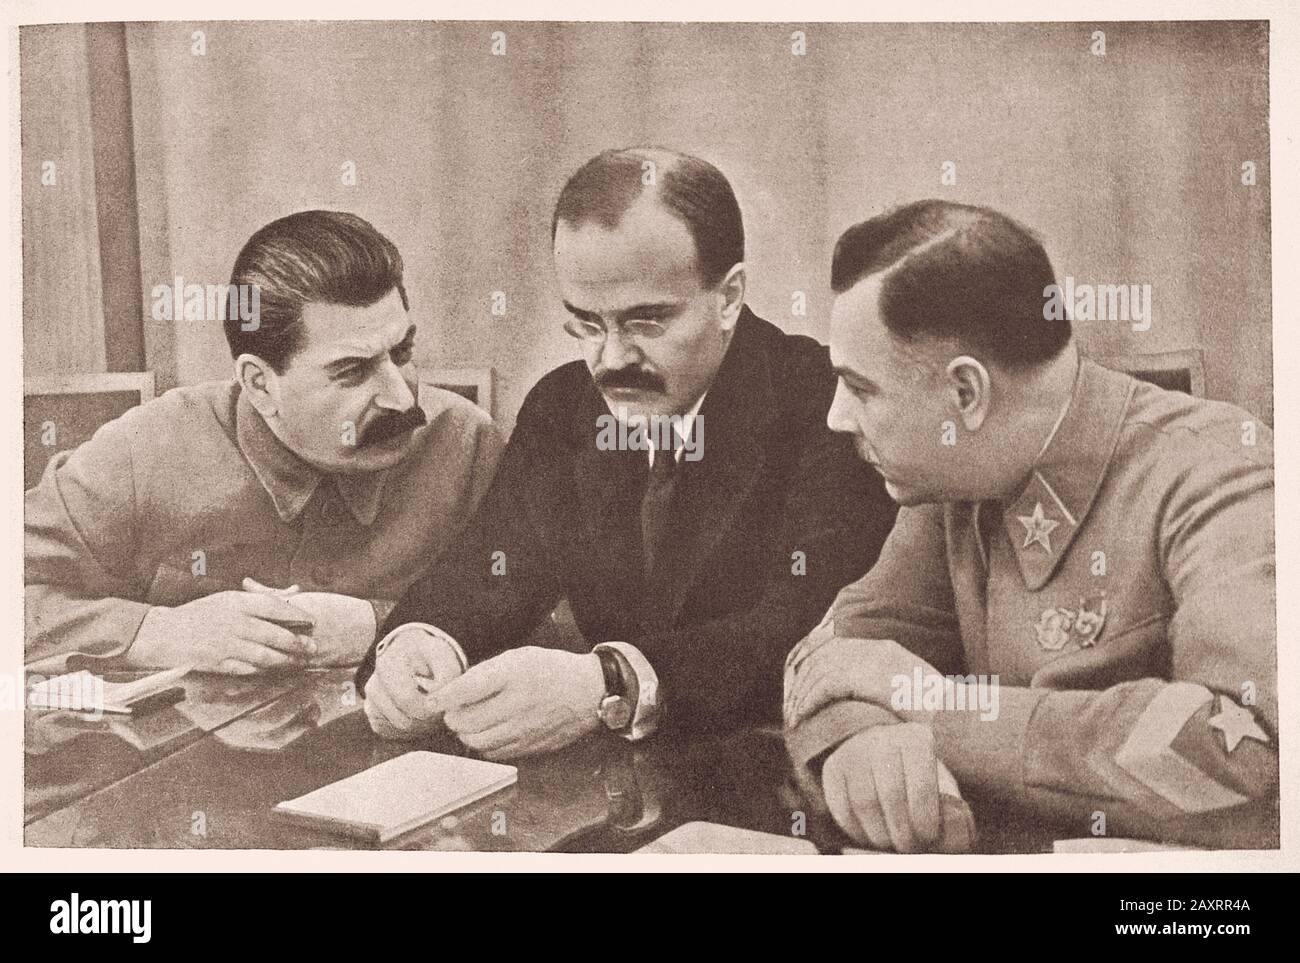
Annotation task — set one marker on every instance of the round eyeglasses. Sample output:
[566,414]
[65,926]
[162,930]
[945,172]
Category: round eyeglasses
[593,331]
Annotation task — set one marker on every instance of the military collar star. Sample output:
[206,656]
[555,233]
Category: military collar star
[1038,528]
[1042,521]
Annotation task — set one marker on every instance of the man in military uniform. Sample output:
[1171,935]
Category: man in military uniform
[1094,551]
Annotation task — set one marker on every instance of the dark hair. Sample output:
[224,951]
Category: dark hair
[956,271]
[312,256]
[693,190]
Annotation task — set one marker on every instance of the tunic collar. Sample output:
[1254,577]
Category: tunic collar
[1042,520]
[289,480]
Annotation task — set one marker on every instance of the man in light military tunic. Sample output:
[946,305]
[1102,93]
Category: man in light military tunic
[272,520]
[1095,548]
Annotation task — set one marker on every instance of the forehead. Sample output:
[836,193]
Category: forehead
[859,340]
[649,255]
[339,329]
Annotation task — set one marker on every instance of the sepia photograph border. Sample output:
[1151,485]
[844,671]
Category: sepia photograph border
[1284,83]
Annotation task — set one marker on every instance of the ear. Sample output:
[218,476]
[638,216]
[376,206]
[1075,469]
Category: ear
[970,390]
[732,292]
[259,382]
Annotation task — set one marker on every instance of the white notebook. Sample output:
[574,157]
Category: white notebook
[396,796]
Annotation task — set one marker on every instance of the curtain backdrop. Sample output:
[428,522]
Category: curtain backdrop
[1129,165]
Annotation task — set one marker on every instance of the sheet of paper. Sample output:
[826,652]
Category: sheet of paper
[703,837]
[84,691]
[1090,844]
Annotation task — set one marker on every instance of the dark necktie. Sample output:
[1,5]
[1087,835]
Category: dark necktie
[656,506]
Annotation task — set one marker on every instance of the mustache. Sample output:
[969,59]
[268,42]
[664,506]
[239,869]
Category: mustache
[633,378]
[387,426]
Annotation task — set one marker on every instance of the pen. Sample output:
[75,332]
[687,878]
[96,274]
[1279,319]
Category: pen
[296,625]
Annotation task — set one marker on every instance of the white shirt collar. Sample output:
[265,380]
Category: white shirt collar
[688,428]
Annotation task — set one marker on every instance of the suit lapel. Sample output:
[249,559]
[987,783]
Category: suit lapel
[711,490]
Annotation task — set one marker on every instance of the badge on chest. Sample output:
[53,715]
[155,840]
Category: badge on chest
[1058,627]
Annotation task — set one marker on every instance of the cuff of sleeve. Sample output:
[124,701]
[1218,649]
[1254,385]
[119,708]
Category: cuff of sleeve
[985,751]
[382,608]
[122,621]
[648,706]
[432,630]
[824,730]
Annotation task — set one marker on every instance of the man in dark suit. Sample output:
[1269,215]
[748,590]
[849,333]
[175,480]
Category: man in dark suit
[692,559]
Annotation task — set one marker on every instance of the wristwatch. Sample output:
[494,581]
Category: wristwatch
[616,708]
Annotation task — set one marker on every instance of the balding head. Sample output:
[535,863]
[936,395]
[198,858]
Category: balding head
[692,190]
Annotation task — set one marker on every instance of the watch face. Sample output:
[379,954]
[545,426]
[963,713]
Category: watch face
[615,712]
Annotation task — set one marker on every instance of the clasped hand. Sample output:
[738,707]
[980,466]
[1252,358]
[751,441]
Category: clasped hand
[522,702]
[884,786]
[260,628]
[866,670]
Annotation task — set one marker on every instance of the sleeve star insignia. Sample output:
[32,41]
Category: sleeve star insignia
[1236,724]
[1037,528]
